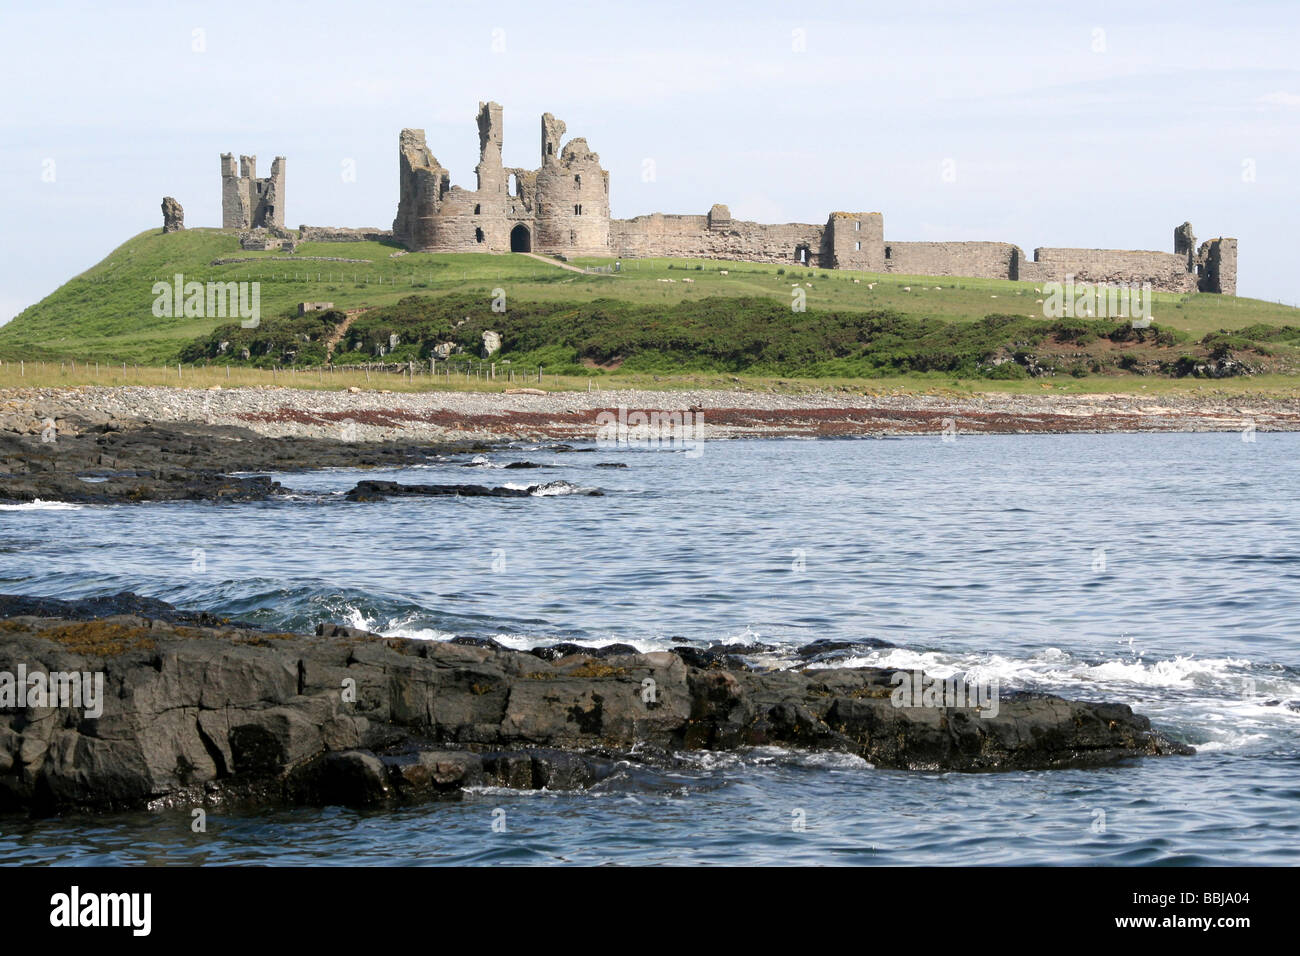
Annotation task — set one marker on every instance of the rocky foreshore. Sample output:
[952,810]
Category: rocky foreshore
[131,444]
[449,416]
[188,709]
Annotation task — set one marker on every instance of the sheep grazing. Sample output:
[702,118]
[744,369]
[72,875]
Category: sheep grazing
[723,272]
[856,281]
[907,288]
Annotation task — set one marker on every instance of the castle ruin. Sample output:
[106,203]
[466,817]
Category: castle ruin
[248,202]
[562,208]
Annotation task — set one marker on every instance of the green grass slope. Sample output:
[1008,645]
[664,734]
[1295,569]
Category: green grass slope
[105,314]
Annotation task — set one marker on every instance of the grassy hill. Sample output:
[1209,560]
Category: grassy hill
[634,320]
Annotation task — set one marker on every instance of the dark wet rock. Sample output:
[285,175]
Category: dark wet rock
[196,711]
[719,655]
[343,630]
[524,464]
[826,646]
[172,461]
[380,490]
[611,464]
[468,641]
[555,652]
[108,605]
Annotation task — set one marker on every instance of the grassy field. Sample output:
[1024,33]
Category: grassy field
[105,313]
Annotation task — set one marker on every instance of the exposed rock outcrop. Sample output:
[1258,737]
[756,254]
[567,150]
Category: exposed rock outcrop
[197,710]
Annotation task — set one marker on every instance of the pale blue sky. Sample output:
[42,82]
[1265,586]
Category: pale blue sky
[1053,141]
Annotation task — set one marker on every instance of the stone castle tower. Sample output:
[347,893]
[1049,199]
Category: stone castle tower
[248,202]
[563,207]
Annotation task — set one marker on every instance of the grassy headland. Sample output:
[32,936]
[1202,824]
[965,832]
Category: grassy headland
[631,327]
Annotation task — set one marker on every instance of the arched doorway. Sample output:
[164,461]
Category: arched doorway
[520,239]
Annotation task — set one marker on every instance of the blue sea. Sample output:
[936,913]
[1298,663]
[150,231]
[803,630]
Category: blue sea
[1160,570]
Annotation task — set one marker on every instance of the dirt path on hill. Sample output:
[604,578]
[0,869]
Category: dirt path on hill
[337,335]
[563,265]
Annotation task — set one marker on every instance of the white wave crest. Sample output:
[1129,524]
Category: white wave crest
[38,505]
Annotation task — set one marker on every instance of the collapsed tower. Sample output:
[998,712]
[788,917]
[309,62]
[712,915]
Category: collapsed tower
[562,207]
[248,202]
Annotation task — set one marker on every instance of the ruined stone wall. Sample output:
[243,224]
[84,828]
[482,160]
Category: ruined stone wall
[1166,271]
[690,237]
[981,260]
[563,208]
[340,234]
[421,183]
[1217,263]
[234,195]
